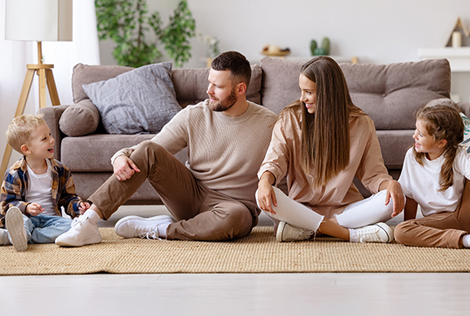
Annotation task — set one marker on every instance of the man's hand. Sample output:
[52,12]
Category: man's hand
[124,168]
[34,209]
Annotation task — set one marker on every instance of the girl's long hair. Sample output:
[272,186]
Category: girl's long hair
[325,134]
[442,122]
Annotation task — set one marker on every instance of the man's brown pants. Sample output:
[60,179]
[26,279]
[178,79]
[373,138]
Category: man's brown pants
[200,213]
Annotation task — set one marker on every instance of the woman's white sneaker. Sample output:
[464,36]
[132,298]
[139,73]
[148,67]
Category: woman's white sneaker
[379,232]
[286,233]
[82,232]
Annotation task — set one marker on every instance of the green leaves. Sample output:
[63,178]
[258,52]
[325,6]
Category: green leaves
[127,22]
[176,36]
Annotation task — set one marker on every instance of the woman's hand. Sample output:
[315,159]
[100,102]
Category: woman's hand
[266,196]
[124,168]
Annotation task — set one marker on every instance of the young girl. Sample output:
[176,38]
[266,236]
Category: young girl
[433,176]
[321,142]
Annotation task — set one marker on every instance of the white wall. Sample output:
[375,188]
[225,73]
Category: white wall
[376,31]
[15,55]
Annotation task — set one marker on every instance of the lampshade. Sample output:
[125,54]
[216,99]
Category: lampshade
[38,20]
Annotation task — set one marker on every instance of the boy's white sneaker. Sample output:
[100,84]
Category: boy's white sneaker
[15,226]
[379,232]
[82,232]
[136,226]
[4,237]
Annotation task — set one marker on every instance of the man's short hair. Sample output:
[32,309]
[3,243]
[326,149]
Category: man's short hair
[21,128]
[239,66]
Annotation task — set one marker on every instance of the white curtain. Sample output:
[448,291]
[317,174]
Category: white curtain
[14,55]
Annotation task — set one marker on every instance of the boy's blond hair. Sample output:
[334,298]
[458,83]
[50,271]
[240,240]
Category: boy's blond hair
[20,130]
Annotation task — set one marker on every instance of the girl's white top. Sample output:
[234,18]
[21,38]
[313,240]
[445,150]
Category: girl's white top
[421,183]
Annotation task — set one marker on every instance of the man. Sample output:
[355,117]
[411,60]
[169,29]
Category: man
[213,198]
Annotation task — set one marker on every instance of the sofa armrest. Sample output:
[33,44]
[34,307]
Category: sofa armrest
[52,116]
[465,108]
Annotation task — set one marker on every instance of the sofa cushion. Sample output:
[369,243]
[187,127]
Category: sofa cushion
[79,119]
[139,101]
[83,118]
[99,149]
[280,85]
[391,94]
[382,91]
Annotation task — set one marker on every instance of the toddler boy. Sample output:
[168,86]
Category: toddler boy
[35,188]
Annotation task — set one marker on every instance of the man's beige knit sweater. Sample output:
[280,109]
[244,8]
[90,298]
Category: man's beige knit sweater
[224,152]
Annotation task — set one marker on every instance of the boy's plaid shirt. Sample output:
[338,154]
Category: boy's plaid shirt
[15,186]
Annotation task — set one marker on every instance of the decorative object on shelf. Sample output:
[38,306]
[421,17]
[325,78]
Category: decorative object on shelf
[325,44]
[125,22]
[456,39]
[275,51]
[37,20]
[459,34]
[313,46]
[324,49]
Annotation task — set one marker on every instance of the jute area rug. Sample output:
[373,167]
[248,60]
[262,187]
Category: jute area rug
[257,253]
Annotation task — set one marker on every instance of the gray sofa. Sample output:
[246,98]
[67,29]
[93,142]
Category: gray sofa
[389,94]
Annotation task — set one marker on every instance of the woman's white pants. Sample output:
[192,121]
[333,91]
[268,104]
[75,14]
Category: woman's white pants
[358,214]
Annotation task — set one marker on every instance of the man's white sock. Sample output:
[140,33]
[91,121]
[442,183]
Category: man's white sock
[466,241]
[161,228]
[93,217]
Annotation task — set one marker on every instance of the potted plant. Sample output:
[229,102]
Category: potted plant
[128,23]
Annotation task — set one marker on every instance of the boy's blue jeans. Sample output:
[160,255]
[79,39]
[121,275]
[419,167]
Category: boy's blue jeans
[44,229]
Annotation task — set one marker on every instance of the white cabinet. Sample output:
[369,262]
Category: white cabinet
[459,58]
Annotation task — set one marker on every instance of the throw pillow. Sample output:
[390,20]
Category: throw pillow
[139,101]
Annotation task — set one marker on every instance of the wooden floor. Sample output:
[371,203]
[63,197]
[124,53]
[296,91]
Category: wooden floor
[235,294]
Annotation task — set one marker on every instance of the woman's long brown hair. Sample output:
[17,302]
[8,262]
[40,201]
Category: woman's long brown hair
[325,134]
[442,122]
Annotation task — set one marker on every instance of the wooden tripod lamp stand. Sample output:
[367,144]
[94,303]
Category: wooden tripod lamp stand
[37,20]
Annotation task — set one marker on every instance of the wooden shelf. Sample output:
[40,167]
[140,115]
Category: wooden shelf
[459,58]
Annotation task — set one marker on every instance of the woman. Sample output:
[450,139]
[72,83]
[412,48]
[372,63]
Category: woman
[321,142]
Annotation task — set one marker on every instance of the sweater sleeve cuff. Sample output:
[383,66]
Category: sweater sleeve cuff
[275,172]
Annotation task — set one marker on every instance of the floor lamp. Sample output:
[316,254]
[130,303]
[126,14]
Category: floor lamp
[37,20]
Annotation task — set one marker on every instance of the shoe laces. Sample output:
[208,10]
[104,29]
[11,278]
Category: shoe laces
[150,235]
[305,233]
[78,221]
[368,234]
[146,232]
[297,233]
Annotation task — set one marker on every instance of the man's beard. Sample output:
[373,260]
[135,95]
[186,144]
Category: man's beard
[226,104]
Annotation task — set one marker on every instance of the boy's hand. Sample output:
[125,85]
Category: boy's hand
[83,206]
[34,209]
